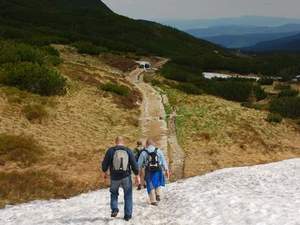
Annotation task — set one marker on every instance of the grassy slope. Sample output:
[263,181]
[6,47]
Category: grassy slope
[74,136]
[216,133]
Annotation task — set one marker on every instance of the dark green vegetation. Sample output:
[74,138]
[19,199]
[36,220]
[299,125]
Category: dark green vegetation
[46,21]
[116,89]
[286,106]
[85,47]
[240,90]
[30,68]
[20,149]
[274,118]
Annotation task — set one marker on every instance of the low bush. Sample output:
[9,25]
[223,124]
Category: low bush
[34,78]
[21,149]
[281,86]
[14,52]
[35,112]
[266,81]
[288,93]
[274,118]
[88,48]
[259,93]
[189,88]
[233,90]
[286,106]
[116,89]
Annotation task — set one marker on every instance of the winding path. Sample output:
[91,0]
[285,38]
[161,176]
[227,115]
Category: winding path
[153,121]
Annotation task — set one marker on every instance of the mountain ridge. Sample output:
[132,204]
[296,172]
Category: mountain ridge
[286,44]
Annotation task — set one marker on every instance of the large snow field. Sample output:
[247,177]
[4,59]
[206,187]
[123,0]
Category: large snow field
[258,195]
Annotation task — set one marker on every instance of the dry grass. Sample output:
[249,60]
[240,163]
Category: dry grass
[35,112]
[23,186]
[19,149]
[120,62]
[216,133]
[81,125]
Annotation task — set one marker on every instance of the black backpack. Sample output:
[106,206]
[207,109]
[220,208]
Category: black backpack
[152,161]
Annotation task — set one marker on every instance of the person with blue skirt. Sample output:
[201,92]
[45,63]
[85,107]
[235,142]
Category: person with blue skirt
[155,164]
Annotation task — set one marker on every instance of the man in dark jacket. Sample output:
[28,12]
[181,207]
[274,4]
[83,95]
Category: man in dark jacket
[120,161]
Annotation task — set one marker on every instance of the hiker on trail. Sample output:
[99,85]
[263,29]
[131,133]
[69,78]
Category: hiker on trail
[137,152]
[153,160]
[120,161]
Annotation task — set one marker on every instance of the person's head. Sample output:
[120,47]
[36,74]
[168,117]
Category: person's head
[150,142]
[139,143]
[119,140]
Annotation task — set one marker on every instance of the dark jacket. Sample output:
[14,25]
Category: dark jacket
[108,159]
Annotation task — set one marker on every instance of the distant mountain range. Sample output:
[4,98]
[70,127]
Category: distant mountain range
[239,21]
[241,29]
[245,40]
[244,36]
[287,44]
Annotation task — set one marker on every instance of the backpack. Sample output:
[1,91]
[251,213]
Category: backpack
[152,161]
[120,162]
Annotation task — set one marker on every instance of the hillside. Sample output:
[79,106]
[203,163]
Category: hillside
[56,154]
[287,44]
[65,21]
[264,194]
[91,21]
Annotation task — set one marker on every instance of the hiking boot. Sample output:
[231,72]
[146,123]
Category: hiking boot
[154,203]
[127,218]
[114,213]
[158,198]
[139,187]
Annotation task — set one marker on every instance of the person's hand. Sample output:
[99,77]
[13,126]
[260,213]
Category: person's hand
[105,176]
[168,174]
[137,180]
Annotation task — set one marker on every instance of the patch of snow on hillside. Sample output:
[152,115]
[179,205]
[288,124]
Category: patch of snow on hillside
[259,195]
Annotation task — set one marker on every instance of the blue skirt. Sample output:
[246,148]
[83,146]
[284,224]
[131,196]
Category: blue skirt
[154,180]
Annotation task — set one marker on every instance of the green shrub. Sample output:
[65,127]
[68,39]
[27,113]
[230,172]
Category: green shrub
[155,82]
[259,93]
[286,106]
[189,88]
[51,51]
[34,78]
[21,149]
[35,112]
[266,81]
[233,90]
[12,53]
[89,48]
[274,118]
[116,89]
[282,86]
[288,93]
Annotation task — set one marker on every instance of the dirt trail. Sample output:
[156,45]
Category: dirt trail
[153,121]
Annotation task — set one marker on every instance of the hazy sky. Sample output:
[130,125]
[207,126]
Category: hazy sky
[195,9]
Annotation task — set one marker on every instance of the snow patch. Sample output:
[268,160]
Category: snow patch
[259,195]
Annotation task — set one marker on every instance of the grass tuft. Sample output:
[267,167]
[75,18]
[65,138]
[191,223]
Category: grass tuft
[21,149]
